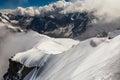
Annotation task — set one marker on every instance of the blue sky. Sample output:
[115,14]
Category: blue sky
[9,4]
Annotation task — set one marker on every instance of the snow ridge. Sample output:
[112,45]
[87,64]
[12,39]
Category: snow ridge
[13,41]
[84,62]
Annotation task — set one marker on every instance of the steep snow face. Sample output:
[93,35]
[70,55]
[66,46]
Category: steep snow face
[92,59]
[14,40]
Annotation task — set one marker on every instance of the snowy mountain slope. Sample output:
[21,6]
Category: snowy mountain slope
[92,59]
[43,50]
[14,40]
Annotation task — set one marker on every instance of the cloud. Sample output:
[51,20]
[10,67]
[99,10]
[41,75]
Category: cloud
[58,7]
[12,42]
[108,7]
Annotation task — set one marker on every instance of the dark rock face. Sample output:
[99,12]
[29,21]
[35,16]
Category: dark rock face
[16,71]
[75,23]
[2,17]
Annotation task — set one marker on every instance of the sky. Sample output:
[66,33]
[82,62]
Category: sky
[11,4]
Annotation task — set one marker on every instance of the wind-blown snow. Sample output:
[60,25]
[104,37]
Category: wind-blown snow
[82,62]
[13,40]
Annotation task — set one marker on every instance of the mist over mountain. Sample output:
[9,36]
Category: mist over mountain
[75,40]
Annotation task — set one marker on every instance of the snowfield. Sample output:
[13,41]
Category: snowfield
[60,58]
[41,52]
[92,59]
[13,40]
